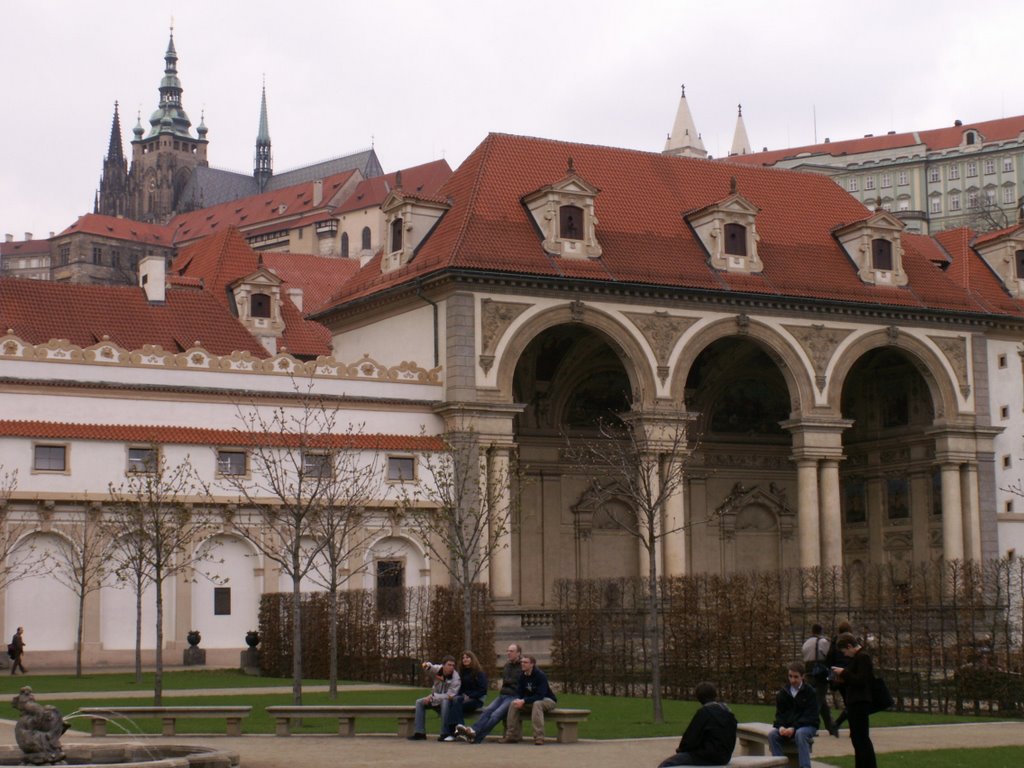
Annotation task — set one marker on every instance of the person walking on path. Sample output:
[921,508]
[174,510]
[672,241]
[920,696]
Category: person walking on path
[495,712]
[536,697]
[815,651]
[446,686]
[710,738]
[796,716]
[16,650]
[857,677]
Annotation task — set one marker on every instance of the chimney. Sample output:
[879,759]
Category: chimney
[8,238]
[151,278]
[28,236]
[318,191]
[295,294]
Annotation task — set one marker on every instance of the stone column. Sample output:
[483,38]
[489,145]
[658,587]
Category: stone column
[807,512]
[952,513]
[650,464]
[675,520]
[920,514]
[972,512]
[831,516]
[499,480]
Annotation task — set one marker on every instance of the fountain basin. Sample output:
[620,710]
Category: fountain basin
[135,755]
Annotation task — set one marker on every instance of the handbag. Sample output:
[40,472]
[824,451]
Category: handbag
[819,670]
[881,699]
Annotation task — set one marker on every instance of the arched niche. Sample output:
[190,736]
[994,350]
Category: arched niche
[226,591]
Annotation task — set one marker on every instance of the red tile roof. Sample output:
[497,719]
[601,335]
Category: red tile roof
[25,248]
[317,276]
[39,311]
[934,139]
[173,435]
[121,229]
[644,236]
[419,180]
[286,203]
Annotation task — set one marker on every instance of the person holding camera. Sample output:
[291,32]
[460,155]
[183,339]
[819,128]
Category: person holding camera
[445,688]
[857,676]
[815,652]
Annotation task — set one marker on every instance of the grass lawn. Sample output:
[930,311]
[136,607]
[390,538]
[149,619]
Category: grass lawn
[991,757]
[611,718]
[173,680]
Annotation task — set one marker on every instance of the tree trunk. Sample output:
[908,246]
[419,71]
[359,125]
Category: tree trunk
[467,615]
[158,673]
[652,605]
[138,631]
[78,644]
[332,635]
[296,639]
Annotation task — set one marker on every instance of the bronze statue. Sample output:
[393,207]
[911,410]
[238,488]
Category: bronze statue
[38,730]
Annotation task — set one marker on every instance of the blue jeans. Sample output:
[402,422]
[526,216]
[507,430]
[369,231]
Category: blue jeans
[493,714]
[460,707]
[439,705]
[804,738]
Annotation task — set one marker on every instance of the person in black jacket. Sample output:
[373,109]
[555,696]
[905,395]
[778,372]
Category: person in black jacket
[15,650]
[534,697]
[857,677]
[470,697]
[710,737]
[796,716]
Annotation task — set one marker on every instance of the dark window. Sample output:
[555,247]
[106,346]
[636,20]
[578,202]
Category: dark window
[735,240]
[317,465]
[570,222]
[97,255]
[881,254]
[222,601]
[49,458]
[396,235]
[391,588]
[142,460]
[344,245]
[401,468]
[970,137]
[231,462]
[1020,264]
[366,238]
[259,304]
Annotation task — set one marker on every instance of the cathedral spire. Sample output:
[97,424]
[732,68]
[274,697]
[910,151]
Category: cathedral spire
[684,139]
[115,150]
[263,167]
[112,196]
[740,142]
[170,117]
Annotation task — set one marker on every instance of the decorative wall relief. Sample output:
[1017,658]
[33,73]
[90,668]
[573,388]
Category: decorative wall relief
[955,350]
[495,318]
[820,344]
[662,331]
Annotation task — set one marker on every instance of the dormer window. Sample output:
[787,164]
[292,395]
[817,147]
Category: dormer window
[565,215]
[970,137]
[881,254]
[728,231]
[874,247]
[1004,254]
[570,222]
[735,240]
[259,305]
[396,235]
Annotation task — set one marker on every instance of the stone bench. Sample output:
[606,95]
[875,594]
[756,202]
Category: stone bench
[757,761]
[345,714]
[568,722]
[100,716]
[752,739]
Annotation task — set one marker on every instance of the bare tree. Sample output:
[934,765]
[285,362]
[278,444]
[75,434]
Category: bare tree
[986,215]
[82,564]
[152,515]
[640,462]
[130,564]
[17,556]
[303,498]
[462,510]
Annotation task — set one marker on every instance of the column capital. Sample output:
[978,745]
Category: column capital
[817,436]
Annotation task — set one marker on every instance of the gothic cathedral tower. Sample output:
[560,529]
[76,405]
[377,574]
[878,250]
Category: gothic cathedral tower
[163,160]
[112,197]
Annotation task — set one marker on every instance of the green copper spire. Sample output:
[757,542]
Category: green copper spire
[170,117]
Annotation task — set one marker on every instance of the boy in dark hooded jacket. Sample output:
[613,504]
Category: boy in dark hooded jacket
[711,735]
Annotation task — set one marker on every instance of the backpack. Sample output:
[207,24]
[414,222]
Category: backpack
[10,650]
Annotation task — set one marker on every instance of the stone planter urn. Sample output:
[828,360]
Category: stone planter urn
[194,656]
[250,661]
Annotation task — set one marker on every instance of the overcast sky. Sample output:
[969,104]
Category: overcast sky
[429,79]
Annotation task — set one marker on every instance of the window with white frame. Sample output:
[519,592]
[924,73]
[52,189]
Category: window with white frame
[853,184]
[869,182]
[49,458]
[1008,165]
[317,465]
[972,169]
[231,461]
[143,460]
[886,180]
[972,199]
[1008,195]
[990,165]
[954,202]
[934,175]
[936,205]
[901,178]
[401,468]
[990,196]
[903,205]
[953,172]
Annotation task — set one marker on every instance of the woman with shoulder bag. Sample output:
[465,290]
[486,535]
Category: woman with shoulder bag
[857,677]
[836,659]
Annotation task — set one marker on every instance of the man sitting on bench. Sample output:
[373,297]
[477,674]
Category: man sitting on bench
[711,735]
[796,716]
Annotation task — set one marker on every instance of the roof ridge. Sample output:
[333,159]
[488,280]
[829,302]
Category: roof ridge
[484,151]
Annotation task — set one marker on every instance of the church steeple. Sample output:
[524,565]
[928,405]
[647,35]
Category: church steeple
[263,167]
[740,142]
[170,117]
[684,139]
[112,196]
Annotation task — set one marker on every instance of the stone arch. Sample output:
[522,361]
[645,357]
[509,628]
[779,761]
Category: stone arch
[624,343]
[799,380]
[233,565]
[54,628]
[927,362]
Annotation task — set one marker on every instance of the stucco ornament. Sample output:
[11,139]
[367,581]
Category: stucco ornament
[820,344]
[955,350]
[662,331]
[495,318]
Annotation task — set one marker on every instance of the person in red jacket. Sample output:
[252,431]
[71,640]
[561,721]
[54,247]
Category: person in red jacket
[710,737]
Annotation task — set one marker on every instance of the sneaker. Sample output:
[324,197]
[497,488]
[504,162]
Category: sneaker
[418,737]
[447,738]
[465,730]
